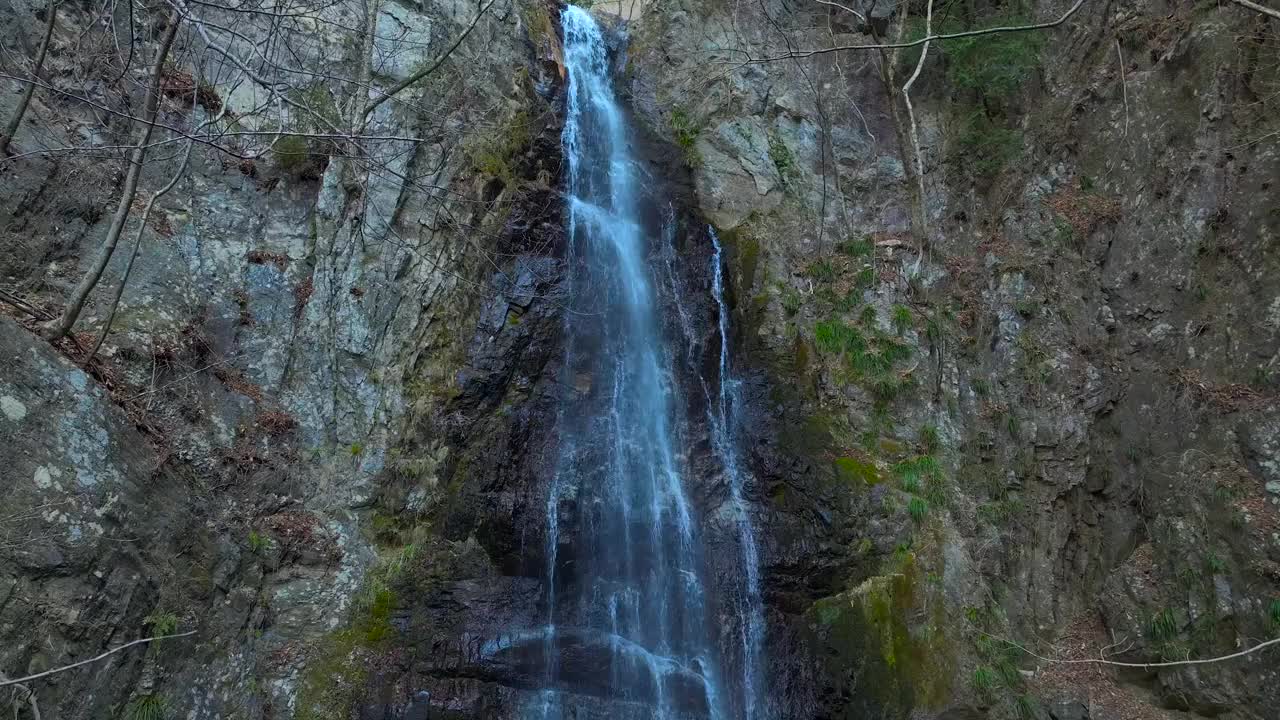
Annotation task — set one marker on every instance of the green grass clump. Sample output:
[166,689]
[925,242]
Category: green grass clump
[291,152]
[686,131]
[146,707]
[929,439]
[856,248]
[161,623]
[901,318]
[822,271]
[984,680]
[494,154]
[1162,626]
[918,509]
[782,158]
[987,147]
[1215,563]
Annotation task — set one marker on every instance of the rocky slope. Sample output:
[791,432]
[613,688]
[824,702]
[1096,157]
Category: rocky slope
[1042,422]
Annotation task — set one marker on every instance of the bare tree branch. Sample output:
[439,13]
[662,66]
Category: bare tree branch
[1260,8]
[63,325]
[846,8]
[1145,666]
[915,134]
[94,659]
[51,11]
[415,77]
[30,699]
[137,238]
[926,39]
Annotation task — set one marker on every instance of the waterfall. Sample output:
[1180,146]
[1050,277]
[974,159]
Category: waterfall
[628,633]
[750,606]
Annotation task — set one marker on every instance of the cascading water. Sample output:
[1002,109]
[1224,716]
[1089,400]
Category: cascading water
[630,630]
[749,605]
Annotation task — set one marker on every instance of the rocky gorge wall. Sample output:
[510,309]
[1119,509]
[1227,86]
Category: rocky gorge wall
[275,373]
[315,434]
[1040,428]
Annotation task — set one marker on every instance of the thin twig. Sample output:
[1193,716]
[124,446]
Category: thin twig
[93,659]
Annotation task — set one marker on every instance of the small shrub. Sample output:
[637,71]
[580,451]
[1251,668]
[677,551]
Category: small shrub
[933,330]
[356,449]
[995,66]
[986,147]
[1274,613]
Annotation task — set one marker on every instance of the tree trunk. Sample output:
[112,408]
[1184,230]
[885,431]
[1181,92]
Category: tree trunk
[51,15]
[64,323]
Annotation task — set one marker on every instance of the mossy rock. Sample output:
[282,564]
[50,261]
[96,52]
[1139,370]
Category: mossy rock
[336,675]
[895,631]
[856,473]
